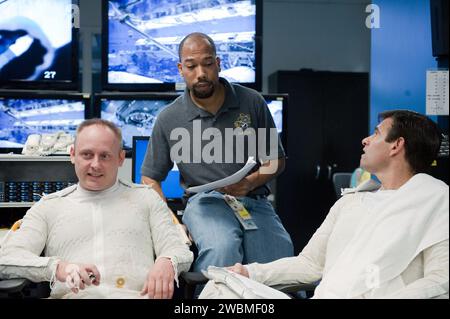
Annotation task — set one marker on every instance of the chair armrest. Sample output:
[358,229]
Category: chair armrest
[13,285]
[292,288]
[191,280]
[194,278]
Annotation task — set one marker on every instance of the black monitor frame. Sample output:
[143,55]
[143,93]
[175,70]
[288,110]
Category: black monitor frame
[158,87]
[133,158]
[170,201]
[285,97]
[73,84]
[25,94]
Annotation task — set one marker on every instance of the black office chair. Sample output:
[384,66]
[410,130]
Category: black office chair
[21,288]
[192,279]
[13,288]
[340,181]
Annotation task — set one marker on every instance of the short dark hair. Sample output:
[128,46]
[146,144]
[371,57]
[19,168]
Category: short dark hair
[96,121]
[421,135]
[199,35]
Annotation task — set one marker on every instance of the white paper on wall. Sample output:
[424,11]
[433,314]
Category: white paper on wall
[437,92]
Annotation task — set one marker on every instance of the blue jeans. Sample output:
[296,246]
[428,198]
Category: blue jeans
[222,241]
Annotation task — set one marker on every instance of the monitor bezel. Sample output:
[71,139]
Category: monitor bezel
[133,166]
[284,128]
[50,95]
[159,87]
[133,157]
[73,84]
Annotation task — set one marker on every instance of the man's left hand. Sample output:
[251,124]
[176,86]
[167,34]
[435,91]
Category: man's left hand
[239,269]
[160,278]
[242,188]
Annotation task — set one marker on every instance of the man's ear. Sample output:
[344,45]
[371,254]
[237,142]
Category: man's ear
[72,154]
[397,146]
[121,157]
[218,63]
[180,68]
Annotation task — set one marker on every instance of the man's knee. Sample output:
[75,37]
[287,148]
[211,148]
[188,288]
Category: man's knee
[221,254]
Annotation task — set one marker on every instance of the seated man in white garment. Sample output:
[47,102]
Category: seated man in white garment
[102,238]
[378,241]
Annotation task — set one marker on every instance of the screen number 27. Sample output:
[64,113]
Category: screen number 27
[49,74]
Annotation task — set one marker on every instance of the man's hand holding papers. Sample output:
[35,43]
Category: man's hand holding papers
[237,181]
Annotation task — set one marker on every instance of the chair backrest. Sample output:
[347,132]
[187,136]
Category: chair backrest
[341,180]
[13,228]
[21,287]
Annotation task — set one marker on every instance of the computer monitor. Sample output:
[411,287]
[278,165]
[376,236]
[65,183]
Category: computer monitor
[135,114]
[38,44]
[278,106]
[23,113]
[170,186]
[141,40]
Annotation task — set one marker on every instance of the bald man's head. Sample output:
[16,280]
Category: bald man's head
[197,36]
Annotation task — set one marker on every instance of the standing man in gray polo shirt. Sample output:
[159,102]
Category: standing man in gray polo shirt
[194,133]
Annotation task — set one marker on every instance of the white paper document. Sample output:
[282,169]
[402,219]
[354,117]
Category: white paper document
[437,92]
[233,179]
[242,286]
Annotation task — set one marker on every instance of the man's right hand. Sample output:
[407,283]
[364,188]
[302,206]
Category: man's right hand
[77,276]
[239,269]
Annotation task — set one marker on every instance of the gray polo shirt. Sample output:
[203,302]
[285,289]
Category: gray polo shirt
[209,147]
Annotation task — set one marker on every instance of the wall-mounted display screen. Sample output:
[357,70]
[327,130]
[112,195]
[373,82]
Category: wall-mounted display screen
[37,44]
[22,114]
[142,39]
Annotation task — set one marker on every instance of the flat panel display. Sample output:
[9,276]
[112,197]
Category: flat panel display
[38,44]
[142,38]
[24,114]
[170,186]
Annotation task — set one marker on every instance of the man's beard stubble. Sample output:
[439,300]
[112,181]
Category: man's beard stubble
[203,95]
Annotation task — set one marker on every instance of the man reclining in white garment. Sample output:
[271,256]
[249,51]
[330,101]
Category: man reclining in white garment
[102,238]
[391,242]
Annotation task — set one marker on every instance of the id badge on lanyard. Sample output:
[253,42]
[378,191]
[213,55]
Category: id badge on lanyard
[240,212]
